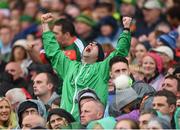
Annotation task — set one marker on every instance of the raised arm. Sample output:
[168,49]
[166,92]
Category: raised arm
[127,22]
[52,49]
[122,49]
[124,41]
[34,54]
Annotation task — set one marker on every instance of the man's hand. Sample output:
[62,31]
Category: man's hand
[30,45]
[46,18]
[127,22]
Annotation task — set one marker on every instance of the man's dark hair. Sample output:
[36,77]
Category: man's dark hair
[67,26]
[117,59]
[176,78]
[171,97]
[53,79]
[106,5]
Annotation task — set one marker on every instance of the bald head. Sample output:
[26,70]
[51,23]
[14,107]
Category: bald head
[14,69]
[32,121]
[90,110]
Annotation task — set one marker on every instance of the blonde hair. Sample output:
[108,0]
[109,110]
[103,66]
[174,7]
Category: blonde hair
[136,68]
[11,122]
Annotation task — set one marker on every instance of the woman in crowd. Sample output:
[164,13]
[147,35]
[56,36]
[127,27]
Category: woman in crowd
[140,51]
[7,118]
[152,65]
[19,54]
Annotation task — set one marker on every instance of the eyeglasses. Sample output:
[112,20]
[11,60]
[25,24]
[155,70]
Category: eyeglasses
[93,43]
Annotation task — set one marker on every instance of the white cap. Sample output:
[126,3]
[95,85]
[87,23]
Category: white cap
[21,42]
[152,4]
[166,50]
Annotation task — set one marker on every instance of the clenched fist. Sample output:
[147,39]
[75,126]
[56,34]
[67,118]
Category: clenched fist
[126,22]
[46,18]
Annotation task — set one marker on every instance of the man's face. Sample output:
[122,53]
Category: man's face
[56,121]
[170,85]
[166,59]
[26,124]
[143,120]
[59,34]
[14,69]
[82,28]
[29,111]
[118,69]
[160,104]
[90,53]
[88,111]
[127,9]
[151,15]
[32,121]
[5,35]
[41,86]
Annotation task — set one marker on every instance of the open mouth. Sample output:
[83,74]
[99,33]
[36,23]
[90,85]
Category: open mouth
[88,49]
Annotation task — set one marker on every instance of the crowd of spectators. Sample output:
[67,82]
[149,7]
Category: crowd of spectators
[90,64]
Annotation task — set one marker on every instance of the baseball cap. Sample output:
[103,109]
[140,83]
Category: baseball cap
[152,4]
[86,19]
[87,93]
[165,50]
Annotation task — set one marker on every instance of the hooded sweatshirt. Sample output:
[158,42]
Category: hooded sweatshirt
[78,75]
[51,99]
[40,106]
